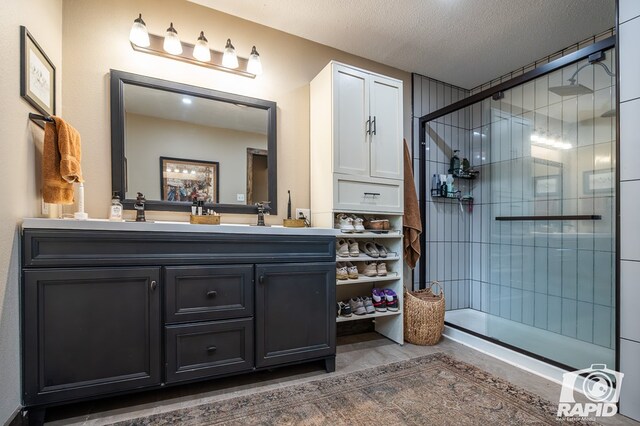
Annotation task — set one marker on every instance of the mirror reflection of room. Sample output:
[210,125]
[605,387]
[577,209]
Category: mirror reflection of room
[180,147]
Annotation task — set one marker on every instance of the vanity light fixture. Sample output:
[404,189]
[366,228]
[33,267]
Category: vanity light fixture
[172,41]
[201,50]
[254,66]
[229,58]
[170,46]
[139,35]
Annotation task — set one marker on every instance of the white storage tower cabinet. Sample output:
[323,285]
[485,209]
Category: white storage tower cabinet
[357,167]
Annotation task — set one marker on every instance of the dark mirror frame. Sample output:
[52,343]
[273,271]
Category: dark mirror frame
[118,161]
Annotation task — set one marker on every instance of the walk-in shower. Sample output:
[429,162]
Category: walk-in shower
[526,248]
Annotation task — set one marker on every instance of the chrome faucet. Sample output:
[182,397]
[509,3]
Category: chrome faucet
[263,207]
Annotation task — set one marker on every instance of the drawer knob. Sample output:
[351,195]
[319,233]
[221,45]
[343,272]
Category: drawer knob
[261,279]
[211,349]
[154,284]
[212,293]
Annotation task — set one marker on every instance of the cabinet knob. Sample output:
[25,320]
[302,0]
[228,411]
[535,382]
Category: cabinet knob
[154,284]
[261,279]
[211,349]
[212,293]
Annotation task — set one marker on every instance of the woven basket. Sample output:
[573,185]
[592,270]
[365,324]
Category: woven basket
[423,315]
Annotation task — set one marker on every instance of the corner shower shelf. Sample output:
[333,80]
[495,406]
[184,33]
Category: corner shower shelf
[355,317]
[435,193]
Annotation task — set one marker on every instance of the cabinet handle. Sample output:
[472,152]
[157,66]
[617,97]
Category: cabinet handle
[154,284]
[261,279]
[212,293]
[211,349]
[374,125]
[373,194]
[368,126]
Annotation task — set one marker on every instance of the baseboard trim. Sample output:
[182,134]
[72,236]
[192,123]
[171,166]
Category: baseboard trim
[15,419]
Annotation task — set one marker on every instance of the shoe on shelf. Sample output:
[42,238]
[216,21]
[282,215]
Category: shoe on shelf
[352,271]
[341,271]
[344,309]
[354,251]
[357,306]
[368,305]
[392,299]
[342,248]
[379,300]
[375,224]
[382,250]
[369,249]
[358,223]
[370,269]
[344,223]
[381,269]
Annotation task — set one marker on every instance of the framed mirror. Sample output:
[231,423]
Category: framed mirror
[175,142]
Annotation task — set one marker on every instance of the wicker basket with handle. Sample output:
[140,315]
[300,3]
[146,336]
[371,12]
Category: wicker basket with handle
[424,315]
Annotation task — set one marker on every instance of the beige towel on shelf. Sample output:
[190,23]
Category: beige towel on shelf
[61,157]
[412,227]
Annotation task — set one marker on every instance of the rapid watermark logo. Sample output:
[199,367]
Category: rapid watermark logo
[599,384]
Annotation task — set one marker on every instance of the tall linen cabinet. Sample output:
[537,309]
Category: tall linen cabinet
[357,168]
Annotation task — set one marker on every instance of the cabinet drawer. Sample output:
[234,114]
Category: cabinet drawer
[208,293]
[207,349]
[373,195]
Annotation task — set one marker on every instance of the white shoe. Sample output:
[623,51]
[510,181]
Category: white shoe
[345,223]
[358,223]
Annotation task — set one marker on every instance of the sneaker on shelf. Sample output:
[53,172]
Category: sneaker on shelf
[381,269]
[344,309]
[357,306]
[370,269]
[392,299]
[354,251]
[352,271]
[342,248]
[358,223]
[344,223]
[368,305]
[379,300]
[382,250]
[341,272]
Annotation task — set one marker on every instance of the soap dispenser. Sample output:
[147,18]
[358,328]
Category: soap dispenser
[115,212]
[454,164]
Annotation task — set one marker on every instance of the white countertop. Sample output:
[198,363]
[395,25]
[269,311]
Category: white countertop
[168,226]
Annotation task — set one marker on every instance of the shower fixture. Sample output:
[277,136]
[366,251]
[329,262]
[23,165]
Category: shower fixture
[573,88]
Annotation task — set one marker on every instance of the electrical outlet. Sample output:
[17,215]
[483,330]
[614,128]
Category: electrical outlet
[303,213]
[239,197]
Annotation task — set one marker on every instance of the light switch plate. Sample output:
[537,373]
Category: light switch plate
[239,197]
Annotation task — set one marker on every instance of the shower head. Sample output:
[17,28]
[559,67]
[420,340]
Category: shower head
[572,89]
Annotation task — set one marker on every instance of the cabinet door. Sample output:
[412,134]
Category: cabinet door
[89,331]
[295,312]
[350,115]
[387,128]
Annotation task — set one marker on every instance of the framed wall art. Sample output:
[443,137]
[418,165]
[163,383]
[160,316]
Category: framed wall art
[37,75]
[186,180]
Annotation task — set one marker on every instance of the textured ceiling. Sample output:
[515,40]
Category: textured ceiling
[462,42]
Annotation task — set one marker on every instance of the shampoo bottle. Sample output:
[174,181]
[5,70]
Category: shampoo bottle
[115,212]
[454,164]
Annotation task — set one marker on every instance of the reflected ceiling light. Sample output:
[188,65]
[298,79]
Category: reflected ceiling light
[139,35]
[170,46]
[229,58]
[549,142]
[186,101]
[576,89]
[254,66]
[201,50]
[172,41]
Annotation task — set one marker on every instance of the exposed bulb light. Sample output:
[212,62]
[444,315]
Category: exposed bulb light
[185,171]
[201,50]
[139,34]
[176,170]
[193,172]
[229,58]
[172,41]
[254,66]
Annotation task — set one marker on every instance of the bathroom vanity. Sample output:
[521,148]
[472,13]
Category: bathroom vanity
[110,308]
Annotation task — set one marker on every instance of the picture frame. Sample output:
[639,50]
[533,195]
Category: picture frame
[598,181]
[182,179]
[37,75]
[547,186]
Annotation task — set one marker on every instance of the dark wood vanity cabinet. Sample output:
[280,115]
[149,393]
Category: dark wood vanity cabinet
[108,312]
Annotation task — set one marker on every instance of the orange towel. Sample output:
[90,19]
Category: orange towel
[61,157]
[412,227]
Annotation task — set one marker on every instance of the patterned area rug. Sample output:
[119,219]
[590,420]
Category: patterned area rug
[430,390]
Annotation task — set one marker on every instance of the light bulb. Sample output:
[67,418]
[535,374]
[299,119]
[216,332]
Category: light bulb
[172,41]
[254,66]
[201,50]
[139,34]
[229,58]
